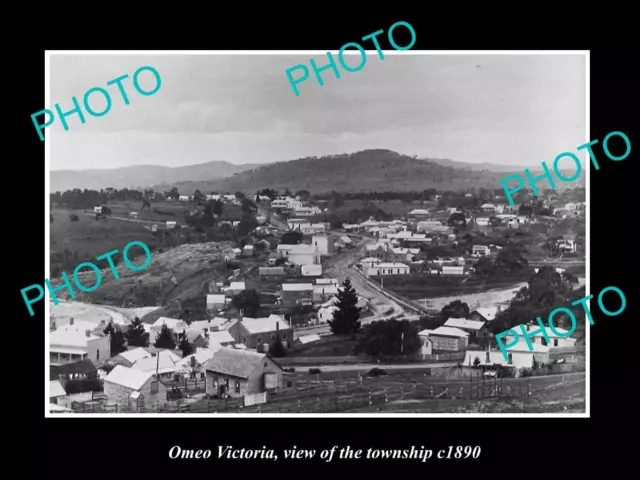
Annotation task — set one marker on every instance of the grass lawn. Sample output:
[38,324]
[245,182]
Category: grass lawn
[90,238]
[329,346]
[417,286]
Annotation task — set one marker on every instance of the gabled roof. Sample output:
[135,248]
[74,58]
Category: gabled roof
[464,323]
[221,336]
[265,324]
[487,312]
[134,354]
[56,389]
[445,332]
[128,377]
[163,362]
[233,362]
[296,287]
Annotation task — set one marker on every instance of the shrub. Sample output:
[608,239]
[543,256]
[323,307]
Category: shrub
[290,369]
[376,372]
[73,217]
[315,371]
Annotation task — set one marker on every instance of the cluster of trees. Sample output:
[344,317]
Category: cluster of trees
[134,335]
[544,292]
[78,199]
[509,263]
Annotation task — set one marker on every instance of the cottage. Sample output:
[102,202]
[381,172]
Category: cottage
[183,198]
[477,330]
[446,338]
[248,251]
[196,338]
[452,270]
[271,273]
[311,270]
[222,337]
[129,357]
[283,250]
[163,364]
[326,313]
[286,202]
[488,207]
[133,214]
[307,211]
[482,221]
[518,358]
[211,325]
[296,294]
[241,372]
[236,287]
[484,314]
[192,366]
[559,338]
[97,209]
[304,255]
[134,386]
[387,269]
[480,250]
[323,292]
[327,281]
[170,225]
[216,302]
[78,341]
[259,331]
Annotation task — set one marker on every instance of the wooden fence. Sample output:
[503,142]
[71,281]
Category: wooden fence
[347,395]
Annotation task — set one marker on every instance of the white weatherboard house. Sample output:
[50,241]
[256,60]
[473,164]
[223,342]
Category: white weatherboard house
[538,339]
[78,341]
[128,384]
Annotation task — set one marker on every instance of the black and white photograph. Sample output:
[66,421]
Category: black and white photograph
[391,241]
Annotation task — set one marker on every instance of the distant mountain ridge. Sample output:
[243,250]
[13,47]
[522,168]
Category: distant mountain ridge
[142,176]
[367,170]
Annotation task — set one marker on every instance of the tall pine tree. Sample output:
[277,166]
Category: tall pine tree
[165,338]
[136,335]
[186,347]
[116,339]
[346,317]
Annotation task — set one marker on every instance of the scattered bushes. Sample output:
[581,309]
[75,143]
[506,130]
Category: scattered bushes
[376,372]
[315,371]
[73,217]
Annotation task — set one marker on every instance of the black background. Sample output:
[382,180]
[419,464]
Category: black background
[138,447]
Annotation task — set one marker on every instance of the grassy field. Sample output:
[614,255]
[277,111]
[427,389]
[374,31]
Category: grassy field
[417,286]
[329,346]
[88,238]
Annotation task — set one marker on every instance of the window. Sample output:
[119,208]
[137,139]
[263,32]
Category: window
[555,342]
[237,387]
[154,386]
[511,358]
[97,354]
[202,375]
[289,384]
[265,364]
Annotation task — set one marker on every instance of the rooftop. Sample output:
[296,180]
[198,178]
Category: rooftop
[128,377]
[233,362]
[464,323]
[445,332]
[266,324]
[296,287]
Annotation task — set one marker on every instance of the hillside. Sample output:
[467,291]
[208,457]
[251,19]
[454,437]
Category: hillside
[368,170]
[141,176]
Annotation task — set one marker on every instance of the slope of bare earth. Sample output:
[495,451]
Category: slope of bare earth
[179,273]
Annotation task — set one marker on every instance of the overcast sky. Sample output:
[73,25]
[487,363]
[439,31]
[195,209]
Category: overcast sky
[506,109]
